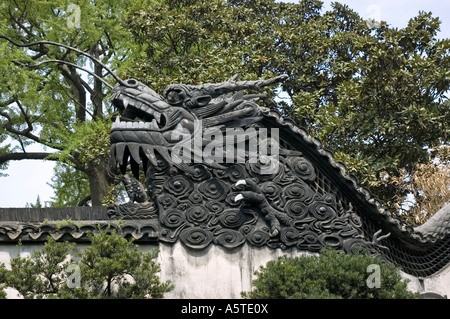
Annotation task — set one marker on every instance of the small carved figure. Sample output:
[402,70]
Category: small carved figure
[252,194]
[135,190]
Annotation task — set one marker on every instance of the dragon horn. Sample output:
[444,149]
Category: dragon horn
[259,84]
[215,90]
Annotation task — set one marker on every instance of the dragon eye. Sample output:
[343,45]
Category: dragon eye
[174,97]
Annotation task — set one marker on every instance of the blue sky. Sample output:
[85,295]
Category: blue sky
[28,179]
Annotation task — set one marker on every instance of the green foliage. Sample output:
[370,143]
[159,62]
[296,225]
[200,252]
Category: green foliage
[41,274]
[110,267]
[113,267]
[116,194]
[3,273]
[88,140]
[38,203]
[196,42]
[331,275]
[373,94]
[55,105]
[70,186]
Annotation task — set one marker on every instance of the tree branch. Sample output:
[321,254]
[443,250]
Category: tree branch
[83,202]
[97,96]
[25,133]
[8,102]
[78,91]
[26,117]
[37,156]
[23,156]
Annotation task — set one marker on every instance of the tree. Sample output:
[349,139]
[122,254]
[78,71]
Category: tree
[428,186]
[40,275]
[3,272]
[53,104]
[111,267]
[374,95]
[331,275]
[392,109]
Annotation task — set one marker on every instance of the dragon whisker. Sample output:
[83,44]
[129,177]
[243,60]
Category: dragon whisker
[22,45]
[37,65]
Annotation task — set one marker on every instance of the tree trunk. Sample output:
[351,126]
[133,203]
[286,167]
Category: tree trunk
[99,182]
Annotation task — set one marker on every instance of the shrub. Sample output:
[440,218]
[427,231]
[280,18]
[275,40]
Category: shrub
[111,267]
[330,275]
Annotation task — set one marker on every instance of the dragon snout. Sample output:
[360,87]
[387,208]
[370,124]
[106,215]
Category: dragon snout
[138,104]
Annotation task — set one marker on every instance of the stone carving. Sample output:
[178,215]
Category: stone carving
[264,200]
[290,216]
[139,206]
[76,231]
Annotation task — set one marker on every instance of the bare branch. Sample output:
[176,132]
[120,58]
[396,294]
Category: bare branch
[18,156]
[37,65]
[18,23]
[8,102]
[78,92]
[23,156]
[77,103]
[83,202]
[26,117]
[119,80]
[25,133]
[108,38]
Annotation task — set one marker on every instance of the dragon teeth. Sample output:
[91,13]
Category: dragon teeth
[153,124]
[140,106]
[157,116]
[117,124]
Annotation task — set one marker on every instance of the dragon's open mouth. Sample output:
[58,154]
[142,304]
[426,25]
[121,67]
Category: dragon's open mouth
[135,114]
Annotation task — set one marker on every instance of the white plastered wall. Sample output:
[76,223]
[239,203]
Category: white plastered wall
[216,273]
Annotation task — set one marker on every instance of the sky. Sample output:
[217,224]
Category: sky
[29,179]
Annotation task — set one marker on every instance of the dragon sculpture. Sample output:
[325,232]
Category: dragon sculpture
[294,197]
[269,185]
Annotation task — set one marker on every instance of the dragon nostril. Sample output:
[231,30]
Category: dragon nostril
[132,82]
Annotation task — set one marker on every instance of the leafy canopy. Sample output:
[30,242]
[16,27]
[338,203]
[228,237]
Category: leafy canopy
[374,95]
[55,105]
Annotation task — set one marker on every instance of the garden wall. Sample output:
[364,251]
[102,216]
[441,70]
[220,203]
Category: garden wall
[216,273]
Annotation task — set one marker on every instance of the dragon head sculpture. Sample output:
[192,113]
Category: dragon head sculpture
[150,123]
